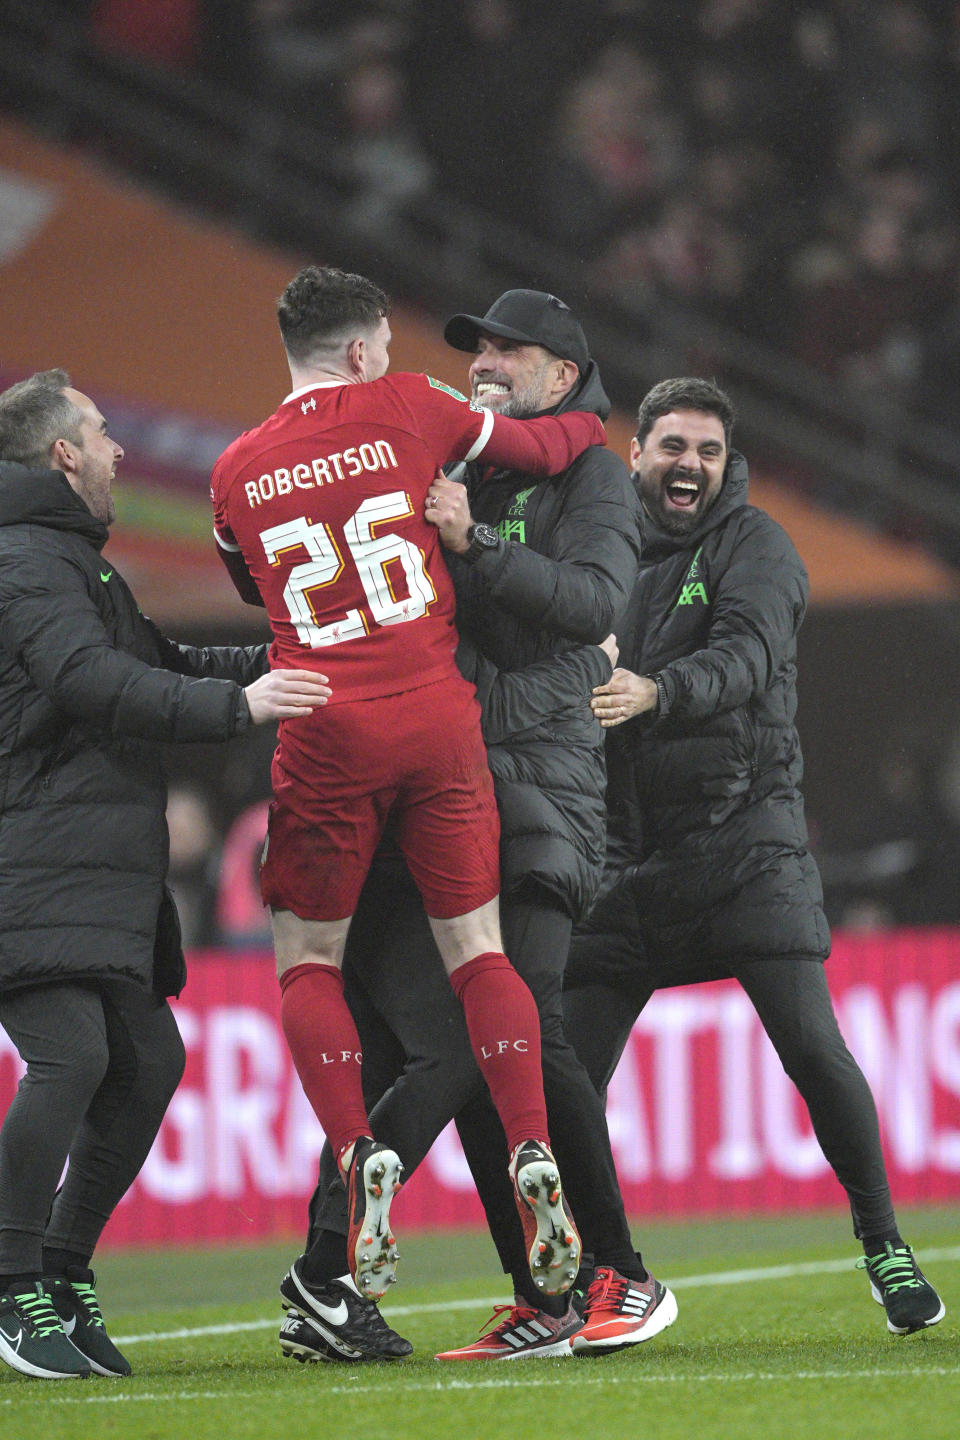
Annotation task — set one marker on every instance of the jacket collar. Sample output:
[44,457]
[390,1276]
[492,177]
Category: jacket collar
[44,497]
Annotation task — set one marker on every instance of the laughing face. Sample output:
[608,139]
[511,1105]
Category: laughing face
[517,379]
[679,468]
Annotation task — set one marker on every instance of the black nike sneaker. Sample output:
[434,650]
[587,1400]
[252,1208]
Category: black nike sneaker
[900,1286]
[75,1301]
[32,1340]
[349,1326]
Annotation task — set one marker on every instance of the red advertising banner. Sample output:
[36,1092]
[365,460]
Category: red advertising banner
[702,1118]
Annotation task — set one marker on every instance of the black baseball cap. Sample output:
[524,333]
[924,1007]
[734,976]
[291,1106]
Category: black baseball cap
[530,316]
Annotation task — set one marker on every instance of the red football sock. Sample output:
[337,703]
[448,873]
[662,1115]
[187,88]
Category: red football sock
[325,1046]
[504,1031]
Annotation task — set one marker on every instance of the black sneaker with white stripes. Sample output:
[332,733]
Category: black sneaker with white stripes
[349,1326]
[520,1332]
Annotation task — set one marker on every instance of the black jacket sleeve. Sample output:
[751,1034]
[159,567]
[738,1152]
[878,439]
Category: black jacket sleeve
[242,663]
[580,588]
[760,601]
[50,626]
[512,701]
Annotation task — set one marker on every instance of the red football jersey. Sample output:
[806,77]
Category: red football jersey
[325,502]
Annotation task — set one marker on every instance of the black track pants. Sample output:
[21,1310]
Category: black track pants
[103,1060]
[793,1002]
[403,1003]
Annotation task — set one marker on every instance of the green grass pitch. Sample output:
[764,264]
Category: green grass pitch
[777,1339]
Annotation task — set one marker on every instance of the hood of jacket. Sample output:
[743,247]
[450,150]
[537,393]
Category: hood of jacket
[45,497]
[658,543]
[587,394]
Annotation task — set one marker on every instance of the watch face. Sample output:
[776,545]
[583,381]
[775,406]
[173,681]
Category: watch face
[486,536]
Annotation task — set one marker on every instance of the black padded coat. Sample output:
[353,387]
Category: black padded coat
[88,687]
[557,584]
[705,800]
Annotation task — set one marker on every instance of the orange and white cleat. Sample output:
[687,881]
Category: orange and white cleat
[373,1179]
[551,1238]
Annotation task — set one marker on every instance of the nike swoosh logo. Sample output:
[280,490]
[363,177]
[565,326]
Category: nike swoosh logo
[69,1325]
[333,1314]
[106,577]
[15,1340]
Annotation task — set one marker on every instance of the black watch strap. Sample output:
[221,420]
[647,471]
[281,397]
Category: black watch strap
[481,538]
[663,702]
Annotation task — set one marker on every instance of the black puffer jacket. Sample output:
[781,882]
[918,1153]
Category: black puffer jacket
[707,794]
[83,836]
[560,581]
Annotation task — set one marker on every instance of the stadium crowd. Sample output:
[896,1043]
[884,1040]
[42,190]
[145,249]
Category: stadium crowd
[786,170]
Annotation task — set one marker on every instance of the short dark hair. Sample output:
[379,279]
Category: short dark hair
[35,413]
[321,306]
[685,393]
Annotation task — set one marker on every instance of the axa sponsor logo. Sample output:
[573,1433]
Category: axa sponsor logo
[690,594]
[693,589]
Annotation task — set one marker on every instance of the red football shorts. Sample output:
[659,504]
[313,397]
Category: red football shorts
[338,773]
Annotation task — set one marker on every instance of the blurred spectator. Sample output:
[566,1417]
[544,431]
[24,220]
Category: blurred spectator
[899,864]
[382,157]
[621,145]
[241,917]
[861,300]
[164,30]
[892,72]
[194,862]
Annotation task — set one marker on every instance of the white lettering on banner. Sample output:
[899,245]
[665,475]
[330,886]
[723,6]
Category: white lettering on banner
[628,1121]
[247,1055]
[895,1060]
[698,1058]
[180,1176]
[9,1052]
[672,1018]
[737,1153]
[448,1162]
[792,1147]
[944,1050]
[250,1119]
[304,1140]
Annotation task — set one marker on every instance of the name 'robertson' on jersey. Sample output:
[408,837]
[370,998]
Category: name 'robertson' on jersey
[322,470]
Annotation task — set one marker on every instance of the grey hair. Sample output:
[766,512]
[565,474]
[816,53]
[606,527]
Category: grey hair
[34,414]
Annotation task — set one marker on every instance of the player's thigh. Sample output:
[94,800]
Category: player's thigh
[303,942]
[448,826]
[331,796]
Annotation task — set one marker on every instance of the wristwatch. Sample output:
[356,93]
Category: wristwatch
[481,538]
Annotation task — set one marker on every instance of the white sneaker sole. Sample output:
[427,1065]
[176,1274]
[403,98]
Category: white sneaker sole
[554,1253]
[375,1251]
[903,1329]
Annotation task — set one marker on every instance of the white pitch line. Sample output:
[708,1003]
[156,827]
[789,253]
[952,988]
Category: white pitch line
[683,1282]
[515,1380]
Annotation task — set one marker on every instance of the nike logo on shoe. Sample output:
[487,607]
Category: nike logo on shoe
[14,1340]
[69,1325]
[333,1314]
